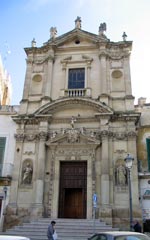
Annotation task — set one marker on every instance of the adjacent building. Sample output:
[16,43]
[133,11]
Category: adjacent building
[143,156]
[5,85]
[7,140]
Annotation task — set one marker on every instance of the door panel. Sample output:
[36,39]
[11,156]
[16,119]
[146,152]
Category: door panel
[73,187]
[73,203]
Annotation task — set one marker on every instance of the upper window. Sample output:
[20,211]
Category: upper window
[76,78]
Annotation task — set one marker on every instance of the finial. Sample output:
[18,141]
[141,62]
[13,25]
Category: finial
[124,36]
[78,22]
[33,43]
[102,29]
[53,32]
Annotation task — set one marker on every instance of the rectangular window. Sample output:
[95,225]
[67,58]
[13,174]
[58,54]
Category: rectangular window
[2,151]
[148,152]
[76,78]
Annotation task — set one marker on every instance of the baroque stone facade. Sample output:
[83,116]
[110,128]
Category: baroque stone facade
[75,126]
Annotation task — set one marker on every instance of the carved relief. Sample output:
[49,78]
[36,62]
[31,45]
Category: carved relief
[30,137]
[73,136]
[29,148]
[42,135]
[19,137]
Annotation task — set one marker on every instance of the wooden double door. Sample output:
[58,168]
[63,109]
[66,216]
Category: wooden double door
[73,189]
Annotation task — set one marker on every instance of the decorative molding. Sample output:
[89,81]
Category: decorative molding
[75,135]
[19,137]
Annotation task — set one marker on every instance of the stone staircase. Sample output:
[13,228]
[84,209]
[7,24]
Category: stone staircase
[67,229]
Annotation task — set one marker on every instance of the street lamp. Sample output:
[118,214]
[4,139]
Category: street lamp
[129,162]
[5,192]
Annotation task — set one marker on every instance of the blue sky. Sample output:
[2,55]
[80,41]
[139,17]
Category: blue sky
[23,20]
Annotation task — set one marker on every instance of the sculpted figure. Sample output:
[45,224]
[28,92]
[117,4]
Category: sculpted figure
[72,122]
[27,174]
[121,175]
[53,32]
[102,28]
[78,22]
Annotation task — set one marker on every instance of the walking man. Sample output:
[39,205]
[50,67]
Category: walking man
[51,230]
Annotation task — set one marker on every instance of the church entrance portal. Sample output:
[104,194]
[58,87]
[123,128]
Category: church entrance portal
[73,189]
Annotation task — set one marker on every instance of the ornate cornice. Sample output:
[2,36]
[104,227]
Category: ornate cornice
[23,137]
[31,119]
[73,136]
[114,55]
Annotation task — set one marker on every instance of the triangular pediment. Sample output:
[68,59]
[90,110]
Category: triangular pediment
[76,37]
[72,136]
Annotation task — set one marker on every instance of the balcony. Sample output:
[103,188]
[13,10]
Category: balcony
[6,170]
[85,92]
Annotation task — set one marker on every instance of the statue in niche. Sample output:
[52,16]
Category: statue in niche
[27,174]
[121,175]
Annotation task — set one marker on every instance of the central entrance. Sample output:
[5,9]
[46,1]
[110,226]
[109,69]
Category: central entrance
[73,189]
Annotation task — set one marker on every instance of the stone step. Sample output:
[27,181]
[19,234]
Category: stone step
[67,229]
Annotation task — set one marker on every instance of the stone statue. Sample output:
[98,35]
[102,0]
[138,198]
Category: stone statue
[78,22]
[72,122]
[27,174]
[124,36]
[121,175]
[102,28]
[33,43]
[53,32]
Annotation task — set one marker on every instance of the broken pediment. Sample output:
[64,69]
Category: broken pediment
[73,136]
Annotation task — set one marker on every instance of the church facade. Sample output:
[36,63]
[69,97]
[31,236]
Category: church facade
[75,126]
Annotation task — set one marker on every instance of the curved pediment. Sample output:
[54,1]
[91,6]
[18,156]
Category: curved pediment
[74,103]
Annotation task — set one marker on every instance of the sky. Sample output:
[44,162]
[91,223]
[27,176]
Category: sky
[23,20]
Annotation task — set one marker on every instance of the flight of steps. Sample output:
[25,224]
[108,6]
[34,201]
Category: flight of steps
[67,229]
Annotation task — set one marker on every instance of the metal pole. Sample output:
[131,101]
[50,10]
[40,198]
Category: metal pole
[130,199]
[94,209]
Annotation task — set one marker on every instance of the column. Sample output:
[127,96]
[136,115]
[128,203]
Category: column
[127,76]
[103,73]
[105,169]
[24,103]
[27,79]
[39,183]
[16,171]
[49,76]
[131,148]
